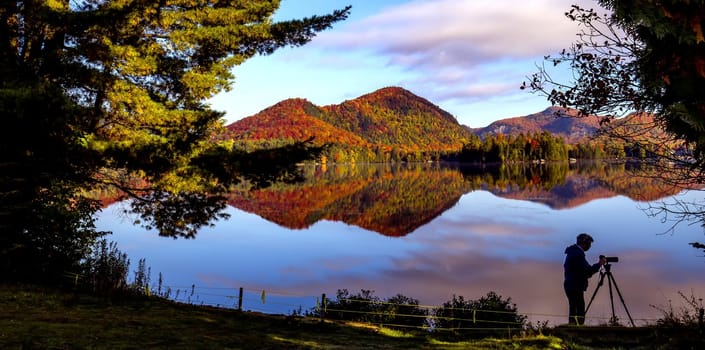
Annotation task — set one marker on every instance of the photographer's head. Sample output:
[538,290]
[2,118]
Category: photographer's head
[584,240]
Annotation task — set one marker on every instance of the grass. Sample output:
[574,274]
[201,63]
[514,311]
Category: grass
[39,318]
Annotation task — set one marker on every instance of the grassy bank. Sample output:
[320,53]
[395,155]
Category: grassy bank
[39,318]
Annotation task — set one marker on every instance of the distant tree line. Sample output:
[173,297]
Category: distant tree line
[544,146]
[502,148]
[489,148]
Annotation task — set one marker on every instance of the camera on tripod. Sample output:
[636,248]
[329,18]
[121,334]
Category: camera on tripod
[612,283]
[610,259]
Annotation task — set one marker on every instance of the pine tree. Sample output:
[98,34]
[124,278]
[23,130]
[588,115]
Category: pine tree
[105,92]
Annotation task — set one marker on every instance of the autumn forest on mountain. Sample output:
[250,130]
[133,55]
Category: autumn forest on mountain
[394,125]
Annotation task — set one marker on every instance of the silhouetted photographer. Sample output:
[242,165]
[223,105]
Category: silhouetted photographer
[577,271]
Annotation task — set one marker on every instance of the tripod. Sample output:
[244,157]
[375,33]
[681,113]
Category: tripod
[610,281]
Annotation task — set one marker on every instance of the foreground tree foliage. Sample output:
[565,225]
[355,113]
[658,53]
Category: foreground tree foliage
[645,57]
[99,93]
[642,57]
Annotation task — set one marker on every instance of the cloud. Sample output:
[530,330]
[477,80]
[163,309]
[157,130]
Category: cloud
[478,90]
[452,32]
[458,49]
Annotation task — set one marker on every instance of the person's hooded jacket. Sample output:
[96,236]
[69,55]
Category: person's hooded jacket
[577,270]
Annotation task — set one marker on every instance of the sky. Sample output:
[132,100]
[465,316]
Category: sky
[468,57]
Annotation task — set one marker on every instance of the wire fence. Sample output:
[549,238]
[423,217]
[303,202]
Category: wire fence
[375,312]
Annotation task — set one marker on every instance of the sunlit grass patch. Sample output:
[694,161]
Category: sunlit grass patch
[529,343]
[540,342]
[298,342]
[386,331]
[362,325]
[395,333]
[434,341]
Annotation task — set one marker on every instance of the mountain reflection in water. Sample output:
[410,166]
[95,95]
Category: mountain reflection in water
[430,232]
[396,200]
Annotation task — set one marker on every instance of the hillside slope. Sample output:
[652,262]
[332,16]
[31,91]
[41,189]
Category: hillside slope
[556,120]
[393,116]
[385,120]
[565,123]
[292,119]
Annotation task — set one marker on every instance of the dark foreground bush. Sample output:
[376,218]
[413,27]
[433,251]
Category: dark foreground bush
[104,272]
[487,315]
[397,311]
[692,314]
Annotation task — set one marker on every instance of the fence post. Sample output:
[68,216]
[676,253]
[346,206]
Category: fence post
[239,300]
[323,306]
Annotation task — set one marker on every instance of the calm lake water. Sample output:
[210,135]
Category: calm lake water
[430,232]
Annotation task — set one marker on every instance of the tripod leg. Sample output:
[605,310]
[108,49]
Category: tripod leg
[613,320]
[622,299]
[599,284]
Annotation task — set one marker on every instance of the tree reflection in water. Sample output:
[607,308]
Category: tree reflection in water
[396,200]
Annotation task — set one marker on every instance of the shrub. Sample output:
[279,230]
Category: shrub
[49,236]
[404,311]
[105,268]
[690,315]
[489,312]
[399,310]
[104,272]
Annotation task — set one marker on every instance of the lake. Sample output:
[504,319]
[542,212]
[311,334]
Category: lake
[429,232]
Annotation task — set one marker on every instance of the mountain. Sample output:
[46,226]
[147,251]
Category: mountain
[394,116]
[393,123]
[388,119]
[556,120]
[564,122]
[293,119]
